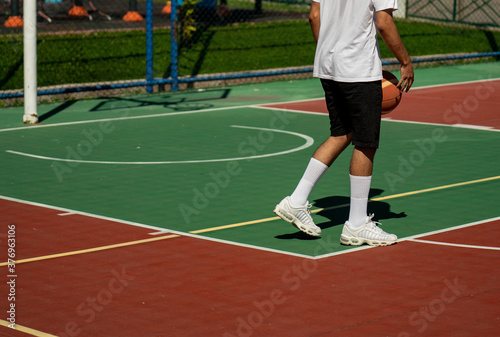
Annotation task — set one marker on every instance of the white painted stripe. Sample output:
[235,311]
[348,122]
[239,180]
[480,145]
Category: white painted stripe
[136,224]
[412,89]
[470,224]
[458,126]
[409,238]
[455,83]
[471,126]
[166,114]
[309,142]
[257,106]
[160,230]
[453,244]
[65,214]
[292,110]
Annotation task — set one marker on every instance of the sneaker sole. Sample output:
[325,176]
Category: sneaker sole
[353,241]
[294,221]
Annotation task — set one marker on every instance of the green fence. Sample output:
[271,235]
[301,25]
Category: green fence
[219,42]
[475,12]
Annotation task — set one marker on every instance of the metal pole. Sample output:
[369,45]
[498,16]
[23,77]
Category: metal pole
[454,15]
[149,45]
[258,6]
[174,59]
[30,80]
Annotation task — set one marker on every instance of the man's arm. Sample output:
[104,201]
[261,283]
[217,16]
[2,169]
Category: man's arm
[389,33]
[314,20]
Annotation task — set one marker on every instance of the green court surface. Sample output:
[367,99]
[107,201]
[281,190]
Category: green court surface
[194,161]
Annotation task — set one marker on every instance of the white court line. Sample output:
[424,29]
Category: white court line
[292,110]
[160,230]
[65,214]
[457,126]
[30,127]
[412,89]
[157,230]
[389,119]
[453,244]
[456,83]
[411,238]
[309,142]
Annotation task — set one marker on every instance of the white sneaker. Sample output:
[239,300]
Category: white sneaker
[300,217]
[370,233]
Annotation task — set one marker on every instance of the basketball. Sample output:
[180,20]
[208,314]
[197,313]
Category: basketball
[391,95]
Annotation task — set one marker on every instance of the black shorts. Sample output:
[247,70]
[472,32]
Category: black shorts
[355,107]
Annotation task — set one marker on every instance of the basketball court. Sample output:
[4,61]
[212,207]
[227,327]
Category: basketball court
[152,215]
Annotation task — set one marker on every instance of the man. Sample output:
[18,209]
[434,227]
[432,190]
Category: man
[348,64]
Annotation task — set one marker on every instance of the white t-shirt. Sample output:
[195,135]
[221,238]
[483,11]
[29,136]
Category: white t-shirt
[347,49]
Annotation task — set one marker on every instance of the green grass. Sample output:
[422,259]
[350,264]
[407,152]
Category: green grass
[299,6]
[112,56]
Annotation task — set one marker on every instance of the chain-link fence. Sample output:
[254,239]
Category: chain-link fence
[476,12]
[118,46]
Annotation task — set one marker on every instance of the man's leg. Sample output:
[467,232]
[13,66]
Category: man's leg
[360,228]
[323,157]
[360,176]
[295,209]
[362,161]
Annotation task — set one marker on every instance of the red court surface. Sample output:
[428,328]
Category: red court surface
[186,286]
[485,235]
[475,103]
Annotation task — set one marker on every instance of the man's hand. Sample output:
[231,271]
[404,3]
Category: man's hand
[407,77]
[389,33]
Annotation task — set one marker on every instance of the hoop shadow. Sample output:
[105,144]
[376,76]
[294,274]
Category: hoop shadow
[336,210]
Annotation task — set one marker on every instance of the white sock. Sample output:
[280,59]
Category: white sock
[360,188]
[312,175]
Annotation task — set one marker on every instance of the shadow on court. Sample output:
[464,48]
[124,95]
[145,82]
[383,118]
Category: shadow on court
[336,210]
[187,101]
[177,102]
[56,110]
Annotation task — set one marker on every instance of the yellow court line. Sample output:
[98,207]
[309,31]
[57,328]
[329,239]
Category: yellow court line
[27,330]
[212,229]
[234,225]
[91,250]
[436,188]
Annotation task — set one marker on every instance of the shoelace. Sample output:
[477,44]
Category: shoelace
[308,206]
[375,225]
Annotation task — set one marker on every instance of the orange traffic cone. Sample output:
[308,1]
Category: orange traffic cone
[78,11]
[133,16]
[167,9]
[13,22]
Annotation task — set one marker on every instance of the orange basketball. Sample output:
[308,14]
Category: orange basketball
[391,94]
